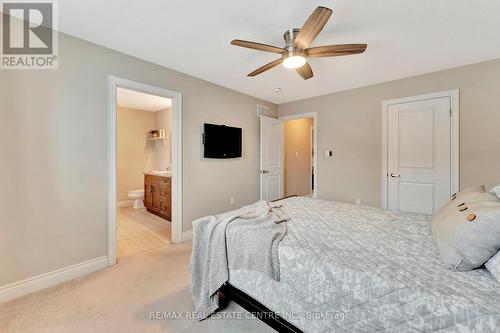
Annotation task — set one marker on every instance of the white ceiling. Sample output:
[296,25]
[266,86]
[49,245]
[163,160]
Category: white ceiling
[404,37]
[137,100]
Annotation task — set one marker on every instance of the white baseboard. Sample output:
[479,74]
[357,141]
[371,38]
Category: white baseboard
[50,279]
[187,235]
[125,203]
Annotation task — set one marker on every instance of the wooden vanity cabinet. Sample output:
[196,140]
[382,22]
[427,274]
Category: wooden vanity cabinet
[158,195]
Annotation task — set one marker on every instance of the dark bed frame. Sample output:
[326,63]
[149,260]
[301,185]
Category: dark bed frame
[253,306]
[289,196]
[259,310]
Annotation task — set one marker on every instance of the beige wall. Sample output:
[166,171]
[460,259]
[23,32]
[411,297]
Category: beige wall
[298,156]
[349,123]
[54,155]
[163,149]
[134,154]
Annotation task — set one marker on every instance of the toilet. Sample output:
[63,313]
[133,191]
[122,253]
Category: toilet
[138,197]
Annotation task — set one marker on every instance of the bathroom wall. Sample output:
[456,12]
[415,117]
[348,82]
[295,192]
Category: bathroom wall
[163,149]
[298,156]
[134,153]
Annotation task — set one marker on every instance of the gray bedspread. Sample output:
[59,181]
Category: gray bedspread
[256,231]
[347,268]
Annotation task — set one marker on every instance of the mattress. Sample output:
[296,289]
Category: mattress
[348,268]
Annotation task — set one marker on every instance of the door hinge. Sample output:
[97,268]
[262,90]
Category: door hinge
[451,112]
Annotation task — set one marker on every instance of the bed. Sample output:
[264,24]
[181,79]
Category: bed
[347,268]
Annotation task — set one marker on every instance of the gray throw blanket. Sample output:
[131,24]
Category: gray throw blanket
[251,242]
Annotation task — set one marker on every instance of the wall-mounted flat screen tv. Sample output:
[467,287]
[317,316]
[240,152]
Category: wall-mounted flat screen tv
[221,141]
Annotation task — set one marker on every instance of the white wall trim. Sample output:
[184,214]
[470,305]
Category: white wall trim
[384,175]
[454,96]
[124,203]
[176,97]
[313,115]
[187,235]
[50,279]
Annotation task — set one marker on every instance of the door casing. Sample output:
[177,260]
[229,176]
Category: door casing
[113,83]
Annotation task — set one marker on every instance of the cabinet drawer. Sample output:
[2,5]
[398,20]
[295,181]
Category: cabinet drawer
[165,206]
[165,181]
[165,209]
[165,186]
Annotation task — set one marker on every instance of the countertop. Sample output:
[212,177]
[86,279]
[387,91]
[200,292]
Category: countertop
[153,173]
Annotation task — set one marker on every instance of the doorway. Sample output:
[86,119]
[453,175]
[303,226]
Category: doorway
[143,177]
[136,219]
[420,152]
[299,152]
[288,161]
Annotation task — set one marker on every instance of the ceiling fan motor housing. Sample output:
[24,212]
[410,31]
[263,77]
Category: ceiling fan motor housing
[290,49]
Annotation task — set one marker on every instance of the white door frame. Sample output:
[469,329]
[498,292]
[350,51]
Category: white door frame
[313,115]
[454,96]
[176,97]
[312,156]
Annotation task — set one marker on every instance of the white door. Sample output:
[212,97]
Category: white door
[419,155]
[272,138]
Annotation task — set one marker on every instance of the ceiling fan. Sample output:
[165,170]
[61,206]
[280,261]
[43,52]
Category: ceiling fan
[297,49]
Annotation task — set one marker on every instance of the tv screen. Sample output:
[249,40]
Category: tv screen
[221,141]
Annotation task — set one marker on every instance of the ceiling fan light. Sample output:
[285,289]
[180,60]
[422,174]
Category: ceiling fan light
[294,61]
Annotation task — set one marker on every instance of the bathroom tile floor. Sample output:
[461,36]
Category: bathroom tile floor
[139,231]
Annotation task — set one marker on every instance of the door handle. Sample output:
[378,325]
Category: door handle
[264,171]
[394,175]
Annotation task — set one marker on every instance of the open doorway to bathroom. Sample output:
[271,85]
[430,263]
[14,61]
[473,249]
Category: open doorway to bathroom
[299,157]
[145,188]
[143,172]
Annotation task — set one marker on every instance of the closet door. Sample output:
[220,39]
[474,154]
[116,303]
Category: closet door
[419,155]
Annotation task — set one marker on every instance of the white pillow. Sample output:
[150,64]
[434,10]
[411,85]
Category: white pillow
[467,232]
[462,196]
[496,190]
[493,265]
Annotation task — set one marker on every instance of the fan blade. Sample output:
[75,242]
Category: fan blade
[312,27]
[265,67]
[305,71]
[257,46]
[335,50]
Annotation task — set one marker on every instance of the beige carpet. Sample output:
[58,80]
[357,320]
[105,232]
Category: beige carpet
[120,299]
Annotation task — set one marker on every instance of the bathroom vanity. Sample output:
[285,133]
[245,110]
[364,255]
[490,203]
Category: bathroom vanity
[158,194]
